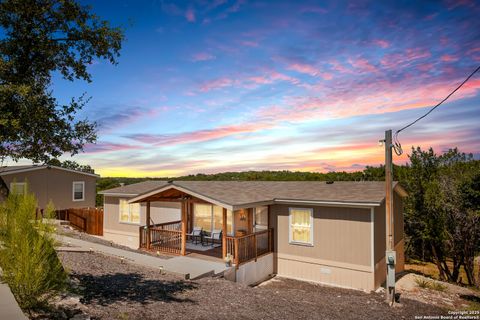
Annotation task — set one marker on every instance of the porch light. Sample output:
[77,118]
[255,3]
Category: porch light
[243,217]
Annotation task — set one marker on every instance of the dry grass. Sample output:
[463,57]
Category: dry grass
[429,269]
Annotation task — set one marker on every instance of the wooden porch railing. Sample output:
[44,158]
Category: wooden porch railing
[249,247]
[166,237]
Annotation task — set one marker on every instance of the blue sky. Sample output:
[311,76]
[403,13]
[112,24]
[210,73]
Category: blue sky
[211,86]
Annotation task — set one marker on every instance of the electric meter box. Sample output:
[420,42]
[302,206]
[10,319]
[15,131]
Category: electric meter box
[391,257]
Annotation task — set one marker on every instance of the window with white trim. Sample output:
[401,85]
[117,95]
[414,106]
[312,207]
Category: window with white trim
[301,226]
[261,218]
[210,217]
[129,212]
[78,190]
[18,187]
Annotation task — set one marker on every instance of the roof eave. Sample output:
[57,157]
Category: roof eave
[48,167]
[353,204]
[118,194]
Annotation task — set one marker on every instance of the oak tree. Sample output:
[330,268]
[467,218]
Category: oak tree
[39,38]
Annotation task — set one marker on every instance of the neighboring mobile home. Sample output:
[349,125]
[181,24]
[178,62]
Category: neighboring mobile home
[330,233]
[66,188]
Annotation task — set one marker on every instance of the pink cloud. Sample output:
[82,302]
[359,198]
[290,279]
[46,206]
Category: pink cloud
[310,70]
[448,58]
[303,68]
[199,135]
[250,82]
[216,84]
[247,43]
[313,9]
[337,66]
[388,98]
[260,80]
[424,67]
[203,56]
[405,58]
[382,43]
[363,65]
[190,15]
[101,147]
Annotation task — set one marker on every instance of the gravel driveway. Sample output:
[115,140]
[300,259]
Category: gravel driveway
[112,289]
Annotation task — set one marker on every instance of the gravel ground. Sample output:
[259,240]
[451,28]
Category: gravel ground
[111,289]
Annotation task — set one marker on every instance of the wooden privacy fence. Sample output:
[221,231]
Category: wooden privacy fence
[88,220]
[250,247]
[166,237]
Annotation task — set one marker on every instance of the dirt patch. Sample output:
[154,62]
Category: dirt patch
[111,289]
[434,292]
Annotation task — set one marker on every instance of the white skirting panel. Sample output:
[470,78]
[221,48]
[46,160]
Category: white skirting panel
[339,276]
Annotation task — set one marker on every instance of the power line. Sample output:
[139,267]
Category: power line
[398,147]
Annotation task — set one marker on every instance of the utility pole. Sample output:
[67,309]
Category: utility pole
[390,255]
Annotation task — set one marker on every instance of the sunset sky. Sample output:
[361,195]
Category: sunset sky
[213,86]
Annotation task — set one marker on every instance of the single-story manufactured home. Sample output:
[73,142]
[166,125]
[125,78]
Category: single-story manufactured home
[65,188]
[326,232]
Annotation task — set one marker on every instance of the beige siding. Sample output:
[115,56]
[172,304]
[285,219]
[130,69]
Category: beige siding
[56,185]
[380,239]
[381,268]
[128,233]
[341,251]
[379,236]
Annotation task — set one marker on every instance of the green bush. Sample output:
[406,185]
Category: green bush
[30,264]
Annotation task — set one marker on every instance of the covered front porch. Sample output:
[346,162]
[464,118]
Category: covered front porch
[236,234]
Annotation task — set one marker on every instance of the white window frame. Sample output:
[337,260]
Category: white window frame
[73,190]
[290,240]
[211,215]
[23,184]
[255,219]
[129,212]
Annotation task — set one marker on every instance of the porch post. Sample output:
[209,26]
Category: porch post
[148,225]
[224,234]
[184,228]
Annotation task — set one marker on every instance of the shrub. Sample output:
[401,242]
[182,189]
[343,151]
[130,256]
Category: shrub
[423,283]
[438,286]
[30,264]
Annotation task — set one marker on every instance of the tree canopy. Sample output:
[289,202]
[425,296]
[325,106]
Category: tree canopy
[41,38]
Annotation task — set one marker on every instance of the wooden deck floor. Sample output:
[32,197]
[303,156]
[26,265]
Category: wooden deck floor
[214,254]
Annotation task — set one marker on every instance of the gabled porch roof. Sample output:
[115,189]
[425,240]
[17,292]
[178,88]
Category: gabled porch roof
[171,192]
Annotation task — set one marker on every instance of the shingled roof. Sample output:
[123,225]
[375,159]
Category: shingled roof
[244,193]
[6,170]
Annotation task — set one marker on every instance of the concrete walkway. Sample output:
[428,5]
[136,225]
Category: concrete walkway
[9,309]
[187,267]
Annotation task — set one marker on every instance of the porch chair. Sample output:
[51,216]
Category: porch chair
[214,235]
[195,234]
